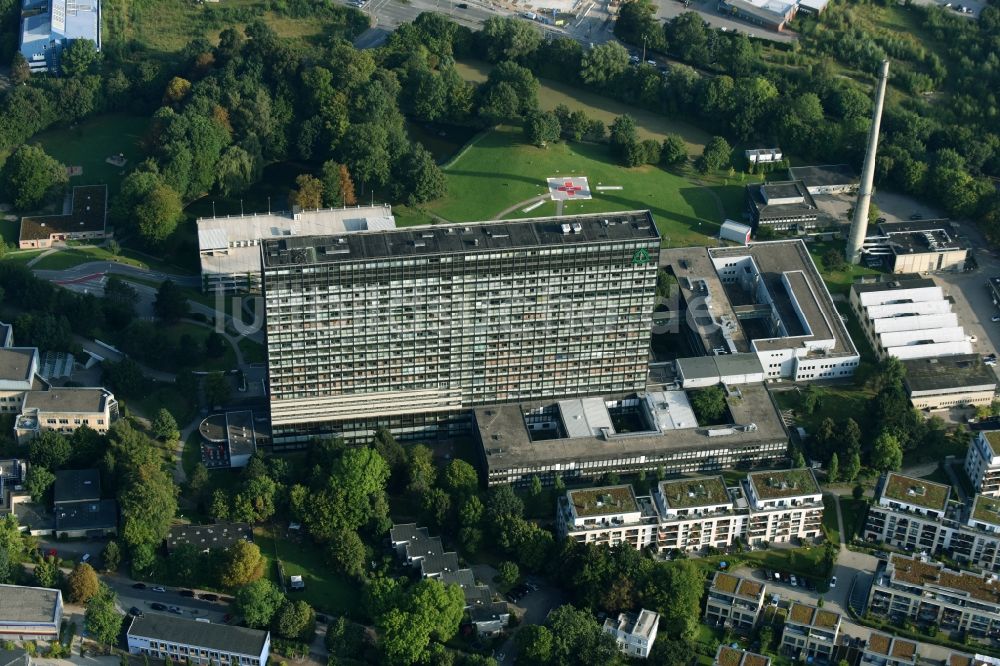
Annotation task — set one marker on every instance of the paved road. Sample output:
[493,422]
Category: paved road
[95,268]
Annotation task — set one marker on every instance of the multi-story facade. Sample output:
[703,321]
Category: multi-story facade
[607,516]
[65,410]
[733,602]
[697,513]
[407,327]
[162,636]
[946,382]
[885,650]
[810,633]
[786,505]
[928,593]
[919,515]
[634,633]
[982,462]
[730,656]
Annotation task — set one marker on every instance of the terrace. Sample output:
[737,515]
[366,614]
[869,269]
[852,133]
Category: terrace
[689,493]
[993,439]
[986,509]
[918,572]
[603,501]
[725,583]
[917,492]
[781,484]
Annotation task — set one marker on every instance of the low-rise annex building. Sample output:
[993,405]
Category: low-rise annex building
[634,633]
[733,602]
[180,640]
[30,613]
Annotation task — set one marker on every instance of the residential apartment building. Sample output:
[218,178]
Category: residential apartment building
[409,327]
[785,505]
[928,593]
[733,602]
[30,613]
[919,515]
[634,633]
[885,650]
[810,633]
[229,246]
[696,513]
[162,636]
[982,462]
[65,410]
[607,516]
[730,656]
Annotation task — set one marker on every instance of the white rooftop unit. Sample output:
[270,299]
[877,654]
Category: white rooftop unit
[918,308]
[915,322]
[930,350]
[902,338]
[585,417]
[916,294]
[735,231]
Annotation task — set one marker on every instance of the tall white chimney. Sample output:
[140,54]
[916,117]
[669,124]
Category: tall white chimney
[859,225]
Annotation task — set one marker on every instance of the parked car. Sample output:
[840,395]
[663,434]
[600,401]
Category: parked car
[135,612]
[794,581]
[157,606]
[462,5]
[138,586]
[85,558]
[916,216]
[157,589]
[209,597]
[187,593]
[174,609]
[995,318]
[833,582]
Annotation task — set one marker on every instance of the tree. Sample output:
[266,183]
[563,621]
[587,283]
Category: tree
[82,583]
[508,572]
[709,404]
[125,377]
[50,450]
[20,71]
[500,104]
[244,564]
[422,472]
[673,152]
[164,426]
[420,176]
[308,194]
[37,482]
[47,572]
[215,345]
[78,57]
[536,485]
[258,602]
[347,553]
[886,452]
[296,620]
[675,592]
[177,91]
[347,187]
[430,610]
[102,620]
[148,501]
[29,176]
[622,133]
[171,304]
[111,556]
[604,63]
[833,260]
[330,177]
[510,38]
[158,212]
[534,642]
[715,155]
[833,469]
[577,638]
[541,128]
[119,302]
[217,389]
[460,478]
[236,170]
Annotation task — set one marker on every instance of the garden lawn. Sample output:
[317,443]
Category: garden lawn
[165,395]
[837,281]
[88,144]
[553,93]
[499,171]
[830,527]
[853,512]
[836,402]
[806,562]
[324,591]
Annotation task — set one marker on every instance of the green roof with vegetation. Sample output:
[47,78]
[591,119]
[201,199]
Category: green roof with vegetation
[686,493]
[776,484]
[918,492]
[986,509]
[603,501]
[993,439]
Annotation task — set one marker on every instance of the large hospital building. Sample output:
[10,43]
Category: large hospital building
[411,328]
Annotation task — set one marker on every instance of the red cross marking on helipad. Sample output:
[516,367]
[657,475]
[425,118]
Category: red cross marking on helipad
[569,188]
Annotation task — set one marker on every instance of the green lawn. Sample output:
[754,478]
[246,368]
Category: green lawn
[853,513]
[89,143]
[500,171]
[553,93]
[22,257]
[325,591]
[836,402]
[808,562]
[837,281]
[183,407]
[191,454]
[830,526]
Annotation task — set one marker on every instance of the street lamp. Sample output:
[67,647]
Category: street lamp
[644,48]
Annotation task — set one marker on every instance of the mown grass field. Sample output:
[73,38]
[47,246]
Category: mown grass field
[88,145]
[552,93]
[499,171]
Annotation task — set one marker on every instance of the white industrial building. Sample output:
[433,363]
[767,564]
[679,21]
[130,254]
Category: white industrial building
[908,318]
[765,300]
[229,246]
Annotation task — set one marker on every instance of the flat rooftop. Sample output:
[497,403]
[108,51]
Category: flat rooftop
[98,515]
[28,604]
[721,365]
[919,492]
[806,208]
[242,436]
[444,239]
[77,485]
[690,493]
[812,616]
[205,635]
[895,283]
[741,587]
[777,259]
[66,400]
[729,656]
[824,175]
[779,484]
[15,363]
[992,438]
[948,372]
[916,572]
[216,535]
[88,212]
[604,501]
[986,509]
[508,444]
